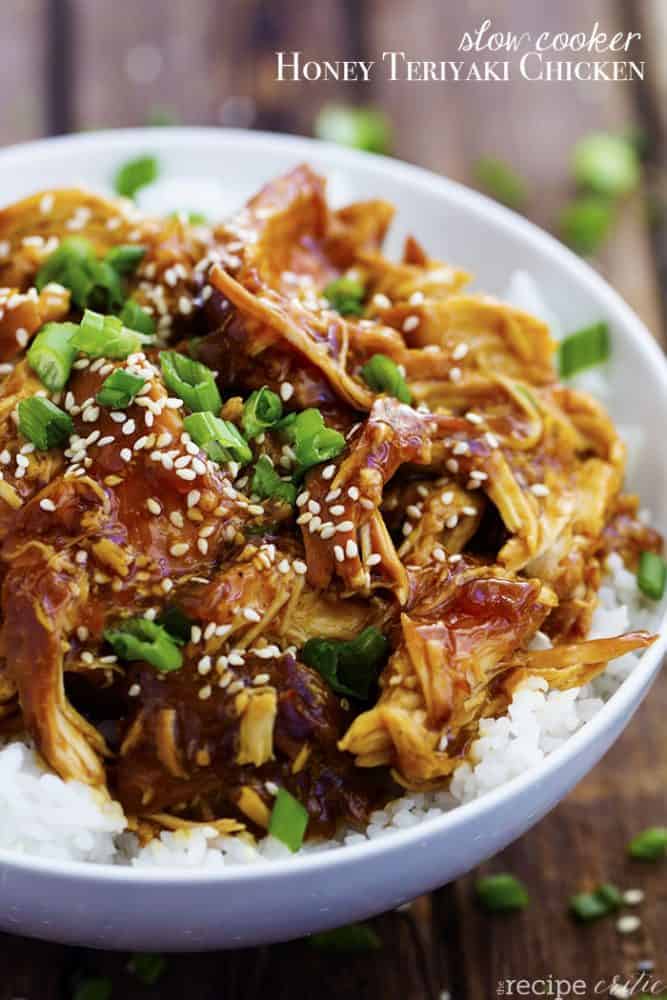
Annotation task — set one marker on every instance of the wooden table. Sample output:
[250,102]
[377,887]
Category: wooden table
[71,64]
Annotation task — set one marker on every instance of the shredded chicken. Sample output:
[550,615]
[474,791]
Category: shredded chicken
[458,522]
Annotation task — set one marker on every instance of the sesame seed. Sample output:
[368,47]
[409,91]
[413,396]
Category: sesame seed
[452,465]
[304,518]
[439,554]
[47,504]
[469,511]
[134,690]
[314,507]
[491,440]
[315,524]
[283,566]
[353,493]
[251,615]
[351,550]
[538,489]
[209,631]
[410,323]
[125,454]
[337,510]
[286,391]
[383,302]
[479,475]
[328,472]
[179,549]
[374,559]
[202,545]
[261,679]
[188,474]
[366,503]
[176,519]
[327,531]
[205,692]
[153,506]
[452,521]
[235,687]
[628,924]
[474,418]
[459,352]
[302,498]
[235,659]
[195,634]
[167,585]
[204,666]
[416,299]
[633,897]
[455,374]
[461,448]
[82,633]
[339,553]
[299,567]
[447,497]
[345,526]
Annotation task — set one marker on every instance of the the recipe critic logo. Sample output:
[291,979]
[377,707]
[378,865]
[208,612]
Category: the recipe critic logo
[489,57]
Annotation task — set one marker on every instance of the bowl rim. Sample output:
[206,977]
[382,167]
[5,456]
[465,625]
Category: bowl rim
[624,699]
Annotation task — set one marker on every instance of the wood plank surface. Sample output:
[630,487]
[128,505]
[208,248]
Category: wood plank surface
[212,62]
[22,70]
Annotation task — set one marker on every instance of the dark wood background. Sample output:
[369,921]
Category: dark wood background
[80,64]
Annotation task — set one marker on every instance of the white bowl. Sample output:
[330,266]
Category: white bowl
[115,907]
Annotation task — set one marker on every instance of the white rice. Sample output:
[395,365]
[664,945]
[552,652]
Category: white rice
[45,816]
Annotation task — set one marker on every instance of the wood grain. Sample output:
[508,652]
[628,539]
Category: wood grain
[213,62]
[22,70]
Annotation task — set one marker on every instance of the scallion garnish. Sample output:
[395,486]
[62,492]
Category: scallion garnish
[141,639]
[499,180]
[126,258]
[261,410]
[383,375]
[192,382]
[44,423]
[267,484]
[585,223]
[501,893]
[606,164]
[119,389]
[346,296]
[588,906]
[650,844]
[92,282]
[136,174]
[313,441]
[361,128]
[135,318]
[220,439]
[652,575]
[351,666]
[51,354]
[93,988]
[101,336]
[288,820]
[584,349]
[147,966]
[351,939]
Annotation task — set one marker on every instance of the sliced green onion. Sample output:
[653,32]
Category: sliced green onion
[501,893]
[650,844]
[346,295]
[652,575]
[383,375]
[136,174]
[500,181]
[119,389]
[588,906]
[352,939]
[192,218]
[44,423]
[106,290]
[95,988]
[360,128]
[135,318]
[606,164]
[141,639]
[101,336]
[51,354]
[585,223]
[192,382]
[176,622]
[288,820]
[584,349]
[350,667]
[314,442]
[73,255]
[267,484]
[220,439]
[126,258]
[147,966]
[261,410]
